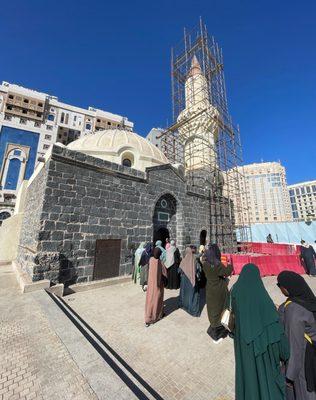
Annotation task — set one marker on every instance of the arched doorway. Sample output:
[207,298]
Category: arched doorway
[161,234]
[203,235]
[165,219]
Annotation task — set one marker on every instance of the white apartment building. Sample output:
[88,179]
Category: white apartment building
[168,144]
[303,200]
[154,137]
[30,122]
[264,193]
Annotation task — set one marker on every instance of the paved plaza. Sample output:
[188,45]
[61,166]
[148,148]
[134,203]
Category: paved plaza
[34,363]
[45,356]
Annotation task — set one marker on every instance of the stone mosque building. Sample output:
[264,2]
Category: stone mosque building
[90,204]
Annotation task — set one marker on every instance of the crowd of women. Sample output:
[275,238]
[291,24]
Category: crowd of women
[275,346]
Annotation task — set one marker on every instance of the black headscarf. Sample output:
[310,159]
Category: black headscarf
[157,253]
[213,255]
[298,289]
[301,293]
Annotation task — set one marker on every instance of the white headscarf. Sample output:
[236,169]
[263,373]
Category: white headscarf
[170,254]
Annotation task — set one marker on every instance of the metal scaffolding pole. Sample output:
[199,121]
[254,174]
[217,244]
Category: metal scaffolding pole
[203,137]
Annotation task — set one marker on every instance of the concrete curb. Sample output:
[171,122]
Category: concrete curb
[82,287]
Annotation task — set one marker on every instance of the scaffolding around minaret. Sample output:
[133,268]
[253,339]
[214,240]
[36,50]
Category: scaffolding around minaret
[203,137]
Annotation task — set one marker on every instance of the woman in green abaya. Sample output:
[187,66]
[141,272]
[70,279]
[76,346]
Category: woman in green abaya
[260,343]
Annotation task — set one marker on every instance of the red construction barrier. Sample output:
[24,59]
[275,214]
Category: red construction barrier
[268,264]
[270,248]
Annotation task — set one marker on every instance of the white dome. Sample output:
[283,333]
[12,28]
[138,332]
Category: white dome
[116,145]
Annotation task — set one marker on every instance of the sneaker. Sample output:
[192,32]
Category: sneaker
[217,341]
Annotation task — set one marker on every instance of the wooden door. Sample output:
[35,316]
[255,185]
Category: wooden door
[107,258]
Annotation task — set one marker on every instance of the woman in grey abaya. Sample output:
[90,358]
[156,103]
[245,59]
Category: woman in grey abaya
[298,315]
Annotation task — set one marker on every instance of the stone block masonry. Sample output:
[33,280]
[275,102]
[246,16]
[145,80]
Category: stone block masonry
[77,199]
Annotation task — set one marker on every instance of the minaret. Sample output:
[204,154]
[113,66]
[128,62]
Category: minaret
[198,126]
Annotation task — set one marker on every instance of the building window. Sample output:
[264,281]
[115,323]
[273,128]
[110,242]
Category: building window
[75,118]
[127,162]
[26,101]
[62,117]
[24,111]
[308,189]
[23,121]
[40,104]
[37,124]
[88,127]
[127,159]
[49,127]
[46,146]
[9,107]
[11,96]
[109,123]
[4,215]
[7,117]
[59,136]
[66,118]
[51,117]
[12,178]
[98,120]
[38,114]
[292,192]
[48,137]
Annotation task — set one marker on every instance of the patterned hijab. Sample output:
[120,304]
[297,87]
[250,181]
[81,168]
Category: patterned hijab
[187,265]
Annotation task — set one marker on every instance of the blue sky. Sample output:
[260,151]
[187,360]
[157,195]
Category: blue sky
[116,56]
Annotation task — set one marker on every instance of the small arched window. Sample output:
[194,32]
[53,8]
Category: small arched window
[127,162]
[127,159]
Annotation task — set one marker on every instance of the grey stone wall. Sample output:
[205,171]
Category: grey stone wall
[85,199]
[31,225]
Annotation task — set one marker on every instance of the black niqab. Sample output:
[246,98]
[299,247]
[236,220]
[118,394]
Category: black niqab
[298,289]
